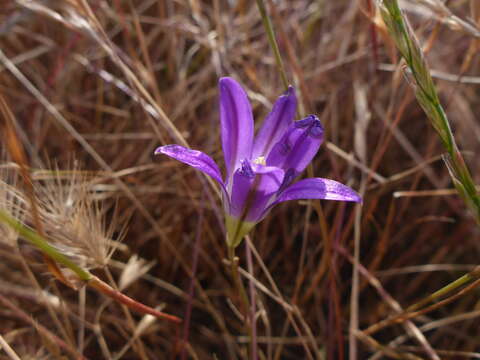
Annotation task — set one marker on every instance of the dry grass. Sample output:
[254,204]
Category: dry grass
[105,82]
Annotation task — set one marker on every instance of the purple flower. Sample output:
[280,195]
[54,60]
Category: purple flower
[260,170]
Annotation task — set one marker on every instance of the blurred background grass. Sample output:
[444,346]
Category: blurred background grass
[106,82]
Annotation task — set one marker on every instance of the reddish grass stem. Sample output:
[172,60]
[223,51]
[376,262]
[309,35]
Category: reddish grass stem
[116,295]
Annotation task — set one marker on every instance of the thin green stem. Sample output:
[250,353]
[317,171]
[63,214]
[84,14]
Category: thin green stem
[241,291]
[267,23]
[44,246]
[471,276]
[427,96]
[471,282]
[237,280]
[251,288]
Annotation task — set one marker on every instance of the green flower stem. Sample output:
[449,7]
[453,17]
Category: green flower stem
[240,289]
[267,23]
[427,96]
[44,246]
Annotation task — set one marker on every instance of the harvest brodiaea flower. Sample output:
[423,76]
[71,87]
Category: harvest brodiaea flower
[260,170]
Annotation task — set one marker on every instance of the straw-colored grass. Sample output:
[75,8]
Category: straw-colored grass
[106,82]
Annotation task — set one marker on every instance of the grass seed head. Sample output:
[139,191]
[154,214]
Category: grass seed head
[12,203]
[74,221]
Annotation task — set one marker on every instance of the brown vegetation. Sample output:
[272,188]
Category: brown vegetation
[105,82]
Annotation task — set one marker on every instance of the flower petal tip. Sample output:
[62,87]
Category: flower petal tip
[227,81]
[342,192]
[168,149]
[357,198]
[290,91]
[158,150]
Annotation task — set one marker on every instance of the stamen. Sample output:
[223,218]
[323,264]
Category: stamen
[260,160]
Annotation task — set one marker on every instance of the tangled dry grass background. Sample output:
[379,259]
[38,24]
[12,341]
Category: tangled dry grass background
[95,86]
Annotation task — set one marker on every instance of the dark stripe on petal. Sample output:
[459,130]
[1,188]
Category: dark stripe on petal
[298,146]
[252,194]
[236,121]
[275,124]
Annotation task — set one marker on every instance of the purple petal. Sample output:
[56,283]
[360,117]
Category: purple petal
[318,188]
[194,158]
[236,123]
[275,124]
[253,189]
[298,146]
